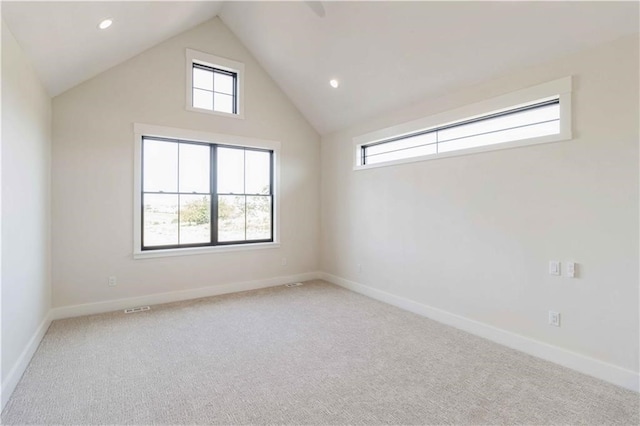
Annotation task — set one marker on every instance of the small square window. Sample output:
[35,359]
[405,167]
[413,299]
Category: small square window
[214,89]
[214,85]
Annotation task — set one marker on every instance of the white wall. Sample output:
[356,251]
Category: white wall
[26,170]
[472,235]
[93,148]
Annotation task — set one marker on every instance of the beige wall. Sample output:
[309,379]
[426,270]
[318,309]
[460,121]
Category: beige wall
[26,170]
[472,235]
[93,174]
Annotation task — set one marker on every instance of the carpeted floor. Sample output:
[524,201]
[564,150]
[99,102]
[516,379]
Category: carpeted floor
[315,354]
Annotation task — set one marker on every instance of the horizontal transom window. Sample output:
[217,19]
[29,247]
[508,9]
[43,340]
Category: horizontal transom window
[534,115]
[539,119]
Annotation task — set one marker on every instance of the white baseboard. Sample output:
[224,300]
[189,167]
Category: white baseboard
[608,372]
[175,296]
[14,376]
[593,367]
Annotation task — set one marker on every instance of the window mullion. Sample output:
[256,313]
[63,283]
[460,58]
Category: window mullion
[178,189]
[273,207]
[142,192]
[235,93]
[244,189]
[213,170]
[245,217]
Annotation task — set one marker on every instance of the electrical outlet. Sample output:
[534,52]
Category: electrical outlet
[359,268]
[571,270]
[283,262]
[113,281]
[554,319]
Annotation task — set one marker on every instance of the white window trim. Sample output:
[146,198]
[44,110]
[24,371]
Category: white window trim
[561,87]
[215,62]
[141,130]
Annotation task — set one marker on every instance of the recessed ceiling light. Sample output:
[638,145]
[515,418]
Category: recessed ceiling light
[334,83]
[106,23]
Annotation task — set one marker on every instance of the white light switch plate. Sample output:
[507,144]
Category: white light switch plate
[554,267]
[570,269]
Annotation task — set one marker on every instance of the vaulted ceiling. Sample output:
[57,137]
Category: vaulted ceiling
[384,54]
[66,48]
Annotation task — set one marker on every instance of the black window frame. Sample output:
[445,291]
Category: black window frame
[214,194]
[215,70]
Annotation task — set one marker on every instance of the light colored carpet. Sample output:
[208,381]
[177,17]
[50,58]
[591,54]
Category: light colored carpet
[315,354]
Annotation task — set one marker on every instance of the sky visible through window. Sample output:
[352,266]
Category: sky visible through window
[177,195]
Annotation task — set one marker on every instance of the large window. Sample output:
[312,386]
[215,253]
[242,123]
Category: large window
[214,84]
[196,194]
[538,114]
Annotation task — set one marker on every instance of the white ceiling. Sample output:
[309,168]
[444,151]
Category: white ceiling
[385,54]
[389,54]
[66,48]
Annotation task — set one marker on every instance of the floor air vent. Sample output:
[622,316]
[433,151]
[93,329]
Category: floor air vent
[138,309]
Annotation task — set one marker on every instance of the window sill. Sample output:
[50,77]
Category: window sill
[239,116]
[149,254]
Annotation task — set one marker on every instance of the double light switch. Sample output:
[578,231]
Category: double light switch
[555,269]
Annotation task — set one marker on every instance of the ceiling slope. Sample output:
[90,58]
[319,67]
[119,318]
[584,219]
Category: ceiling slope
[390,54]
[385,54]
[66,48]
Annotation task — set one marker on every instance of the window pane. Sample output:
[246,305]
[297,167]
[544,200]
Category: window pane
[202,99]
[194,168]
[231,218]
[258,172]
[202,79]
[160,165]
[230,171]
[518,119]
[402,154]
[258,218]
[409,142]
[195,219]
[223,83]
[160,226]
[510,135]
[224,103]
